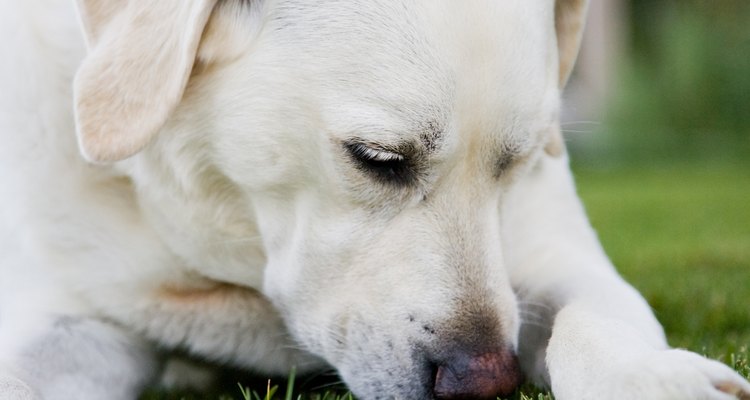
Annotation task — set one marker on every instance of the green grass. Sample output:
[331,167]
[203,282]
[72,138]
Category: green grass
[680,233]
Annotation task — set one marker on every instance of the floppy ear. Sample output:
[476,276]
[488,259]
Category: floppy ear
[141,54]
[570,17]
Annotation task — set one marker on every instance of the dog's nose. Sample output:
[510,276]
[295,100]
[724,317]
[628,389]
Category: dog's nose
[482,376]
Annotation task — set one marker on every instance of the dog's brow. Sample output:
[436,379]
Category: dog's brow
[431,135]
[417,136]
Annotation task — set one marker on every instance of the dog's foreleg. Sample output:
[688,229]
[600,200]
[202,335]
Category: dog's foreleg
[227,324]
[77,358]
[587,333]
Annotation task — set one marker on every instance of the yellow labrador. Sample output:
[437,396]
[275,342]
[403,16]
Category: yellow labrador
[379,186]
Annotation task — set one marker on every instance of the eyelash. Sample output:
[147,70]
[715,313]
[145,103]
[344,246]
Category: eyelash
[384,165]
[367,153]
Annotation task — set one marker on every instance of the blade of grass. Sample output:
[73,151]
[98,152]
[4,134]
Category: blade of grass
[290,383]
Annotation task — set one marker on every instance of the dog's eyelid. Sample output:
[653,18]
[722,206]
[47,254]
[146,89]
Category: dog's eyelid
[382,163]
[511,154]
[374,152]
[378,154]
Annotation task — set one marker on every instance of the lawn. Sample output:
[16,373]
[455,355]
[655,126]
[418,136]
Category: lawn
[680,233]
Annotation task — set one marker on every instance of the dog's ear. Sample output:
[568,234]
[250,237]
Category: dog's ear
[141,54]
[570,17]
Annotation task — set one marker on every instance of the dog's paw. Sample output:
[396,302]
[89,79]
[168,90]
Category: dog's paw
[671,374]
[12,388]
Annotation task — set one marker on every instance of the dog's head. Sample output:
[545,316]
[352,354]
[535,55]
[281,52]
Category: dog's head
[371,142]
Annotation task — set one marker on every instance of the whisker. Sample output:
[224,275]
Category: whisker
[580,122]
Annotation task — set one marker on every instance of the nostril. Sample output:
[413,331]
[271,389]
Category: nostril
[483,376]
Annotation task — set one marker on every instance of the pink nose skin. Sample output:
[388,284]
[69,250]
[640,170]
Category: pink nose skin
[483,376]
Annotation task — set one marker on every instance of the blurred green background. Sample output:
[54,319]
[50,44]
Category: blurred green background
[677,82]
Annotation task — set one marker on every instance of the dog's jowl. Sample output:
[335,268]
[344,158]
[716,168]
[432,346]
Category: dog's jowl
[375,186]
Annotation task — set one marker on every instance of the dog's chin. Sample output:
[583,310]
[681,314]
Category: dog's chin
[420,359]
[415,372]
[410,384]
[387,371]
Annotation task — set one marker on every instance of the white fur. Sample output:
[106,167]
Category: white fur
[242,231]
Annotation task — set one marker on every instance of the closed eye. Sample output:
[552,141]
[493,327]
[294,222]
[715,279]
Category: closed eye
[369,154]
[384,165]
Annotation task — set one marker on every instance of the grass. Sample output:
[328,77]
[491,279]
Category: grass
[680,233]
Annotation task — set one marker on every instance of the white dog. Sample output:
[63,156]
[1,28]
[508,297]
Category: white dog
[377,185]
